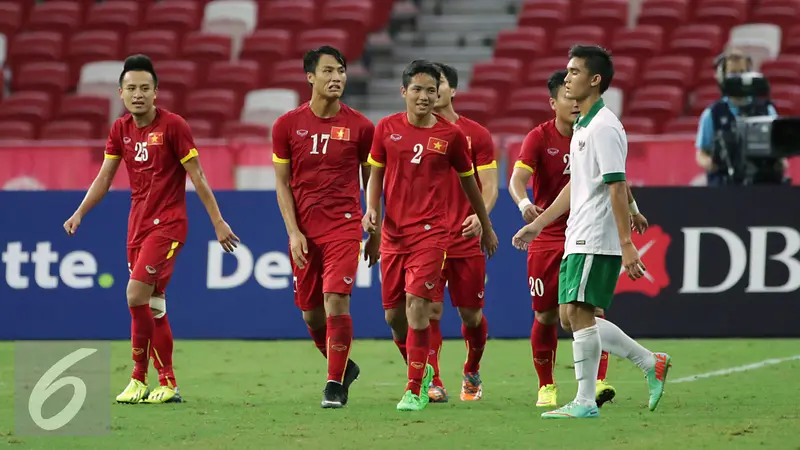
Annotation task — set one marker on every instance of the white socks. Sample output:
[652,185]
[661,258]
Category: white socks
[616,342]
[586,351]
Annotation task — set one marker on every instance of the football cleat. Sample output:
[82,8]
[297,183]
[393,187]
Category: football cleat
[134,392]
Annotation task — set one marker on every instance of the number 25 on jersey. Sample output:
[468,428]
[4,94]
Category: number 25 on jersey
[141,152]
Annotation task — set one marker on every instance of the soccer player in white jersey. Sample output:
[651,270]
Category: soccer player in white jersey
[598,237]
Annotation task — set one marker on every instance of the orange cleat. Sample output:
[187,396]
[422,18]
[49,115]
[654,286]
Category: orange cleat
[471,387]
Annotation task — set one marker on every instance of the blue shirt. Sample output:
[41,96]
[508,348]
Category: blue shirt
[705,129]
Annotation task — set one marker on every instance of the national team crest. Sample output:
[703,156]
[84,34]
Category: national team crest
[340,133]
[156,138]
[437,145]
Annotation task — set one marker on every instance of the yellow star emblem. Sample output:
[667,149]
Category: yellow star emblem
[340,134]
[437,145]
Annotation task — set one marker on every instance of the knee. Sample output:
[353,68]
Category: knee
[396,319]
[417,307]
[566,325]
[337,304]
[547,317]
[437,311]
[315,319]
[471,317]
[138,293]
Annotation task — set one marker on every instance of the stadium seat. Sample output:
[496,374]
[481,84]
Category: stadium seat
[682,125]
[28,106]
[201,128]
[159,45]
[62,130]
[667,14]
[659,103]
[352,16]
[702,98]
[235,18]
[118,16]
[784,13]
[178,77]
[639,125]
[498,74]
[34,46]
[523,43]
[306,40]
[549,15]
[626,73]
[479,104]
[642,42]
[58,16]
[166,99]
[609,14]
[706,73]
[290,75]
[670,71]
[791,40]
[11,14]
[179,16]
[759,40]
[267,45]
[786,98]
[101,79]
[239,77]
[723,13]
[264,106]
[215,105]
[614,99]
[784,69]
[565,37]
[539,72]
[291,15]
[530,103]
[510,126]
[16,130]
[242,131]
[89,46]
[49,77]
[697,41]
[89,108]
[204,49]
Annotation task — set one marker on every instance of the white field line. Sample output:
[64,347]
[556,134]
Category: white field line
[730,370]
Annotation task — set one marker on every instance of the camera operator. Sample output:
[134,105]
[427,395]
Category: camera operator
[719,148]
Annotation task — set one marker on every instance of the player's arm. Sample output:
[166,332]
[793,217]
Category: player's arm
[558,208]
[523,170]
[281,158]
[486,170]
[364,146]
[459,159]
[225,236]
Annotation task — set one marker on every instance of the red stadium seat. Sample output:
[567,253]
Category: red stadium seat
[119,16]
[530,103]
[697,41]
[69,130]
[791,40]
[166,99]
[215,105]
[290,15]
[34,46]
[522,43]
[205,48]
[239,131]
[642,42]
[540,70]
[306,40]
[49,77]
[785,13]
[29,106]
[786,98]
[609,14]
[58,16]
[479,104]
[16,130]
[239,77]
[568,36]
[702,98]
[638,125]
[706,73]
[670,71]
[626,73]
[92,109]
[659,103]
[549,15]
[201,128]
[177,77]
[667,14]
[90,46]
[784,69]
[290,75]
[682,125]
[352,16]
[510,125]
[497,74]
[723,13]
[179,16]
[159,45]
[11,14]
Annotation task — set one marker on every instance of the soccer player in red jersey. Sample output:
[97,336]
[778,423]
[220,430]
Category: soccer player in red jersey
[465,265]
[417,152]
[319,150]
[158,150]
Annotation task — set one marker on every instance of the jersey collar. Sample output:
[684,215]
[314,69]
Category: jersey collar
[583,121]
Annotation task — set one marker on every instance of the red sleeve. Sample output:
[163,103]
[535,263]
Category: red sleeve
[483,147]
[365,143]
[281,149]
[113,147]
[459,155]
[377,154]
[182,141]
[531,147]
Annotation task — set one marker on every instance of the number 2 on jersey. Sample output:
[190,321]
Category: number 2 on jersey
[567,162]
[317,138]
[417,154]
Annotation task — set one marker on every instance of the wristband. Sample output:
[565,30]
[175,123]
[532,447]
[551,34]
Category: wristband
[633,208]
[523,204]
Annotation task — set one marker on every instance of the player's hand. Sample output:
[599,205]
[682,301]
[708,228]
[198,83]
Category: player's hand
[225,236]
[299,248]
[525,236]
[531,212]
[631,262]
[471,227]
[489,241]
[639,223]
[372,249]
[370,221]
[72,224]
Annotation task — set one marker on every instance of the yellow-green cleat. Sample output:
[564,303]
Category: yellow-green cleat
[163,394]
[135,392]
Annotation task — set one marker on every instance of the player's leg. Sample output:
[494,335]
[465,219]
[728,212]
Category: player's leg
[543,271]
[309,298]
[467,293]
[393,297]
[605,392]
[436,391]
[340,264]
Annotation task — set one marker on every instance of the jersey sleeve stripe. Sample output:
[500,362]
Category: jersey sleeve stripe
[491,165]
[522,165]
[107,156]
[192,153]
[280,160]
[470,173]
[365,164]
[613,177]
[372,161]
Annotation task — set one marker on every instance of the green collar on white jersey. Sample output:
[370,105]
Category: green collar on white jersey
[583,121]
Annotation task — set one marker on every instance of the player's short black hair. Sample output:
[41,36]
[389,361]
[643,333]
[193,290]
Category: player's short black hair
[311,58]
[450,74]
[421,66]
[138,63]
[598,62]
[555,81]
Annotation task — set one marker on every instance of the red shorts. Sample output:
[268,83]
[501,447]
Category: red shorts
[154,261]
[465,280]
[543,266]
[331,268]
[418,273]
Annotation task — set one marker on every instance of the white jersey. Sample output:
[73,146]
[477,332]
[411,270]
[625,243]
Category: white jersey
[598,151]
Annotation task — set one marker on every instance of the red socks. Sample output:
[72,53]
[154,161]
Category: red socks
[401,345]
[340,337]
[544,341]
[601,372]
[436,348]
[141,333]
[320,338]
[475,339]
[161,352]
[418,343]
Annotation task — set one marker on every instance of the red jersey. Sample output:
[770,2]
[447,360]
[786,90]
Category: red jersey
[325,157]
[481,154]
[154,156]
[545,152]
[419,164]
